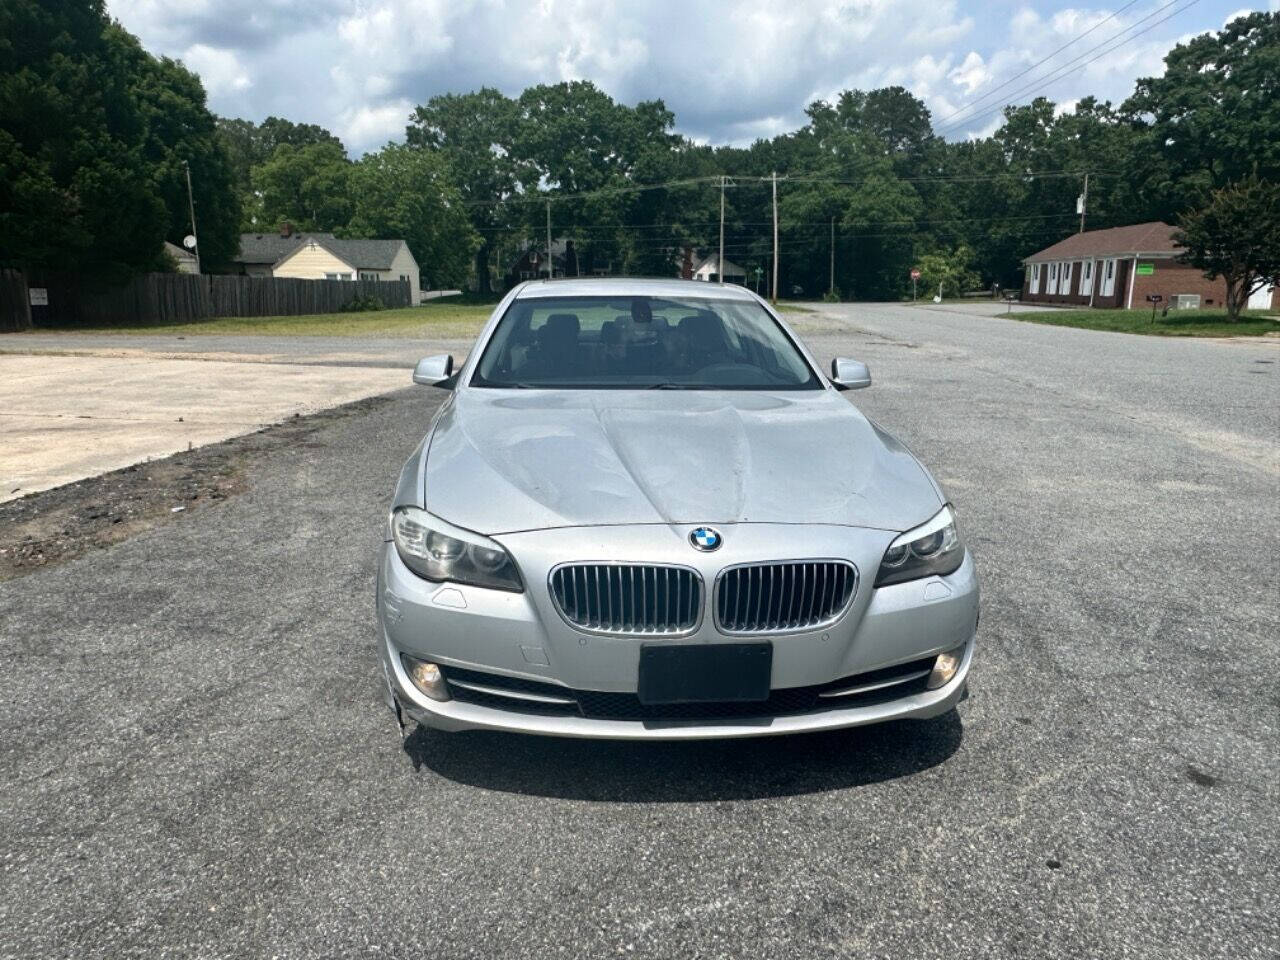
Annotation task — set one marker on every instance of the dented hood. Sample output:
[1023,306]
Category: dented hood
[506,460]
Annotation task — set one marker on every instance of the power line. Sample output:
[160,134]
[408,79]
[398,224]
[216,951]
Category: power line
[797,178]
[942,120]
[1062,71]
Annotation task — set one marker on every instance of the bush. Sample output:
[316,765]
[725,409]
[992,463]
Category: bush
[831,296]
[361,304]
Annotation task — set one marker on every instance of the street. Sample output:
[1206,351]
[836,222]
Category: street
[197,761]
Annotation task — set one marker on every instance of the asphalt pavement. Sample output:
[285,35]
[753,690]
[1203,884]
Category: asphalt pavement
[196,760]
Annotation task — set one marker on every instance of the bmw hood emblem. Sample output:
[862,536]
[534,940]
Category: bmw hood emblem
[706,539]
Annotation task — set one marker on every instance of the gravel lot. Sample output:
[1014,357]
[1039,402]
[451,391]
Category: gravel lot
[196,761]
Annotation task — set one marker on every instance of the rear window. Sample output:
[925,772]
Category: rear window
[642,342]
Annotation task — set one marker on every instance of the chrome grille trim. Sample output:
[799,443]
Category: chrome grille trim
[784,596]
[634,599]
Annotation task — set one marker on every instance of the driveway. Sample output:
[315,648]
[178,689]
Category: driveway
[76,405]
[197,762]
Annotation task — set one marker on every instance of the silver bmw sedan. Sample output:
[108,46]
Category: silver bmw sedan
[643,512]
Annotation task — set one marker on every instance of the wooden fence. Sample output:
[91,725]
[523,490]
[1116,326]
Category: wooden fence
[159,298]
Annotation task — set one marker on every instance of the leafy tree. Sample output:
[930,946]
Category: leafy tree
[403,192]
[308,186]
[473,133]
[178,127]
[1236,236]
[1213,117]
[947,270]
[248,145]
[75,189]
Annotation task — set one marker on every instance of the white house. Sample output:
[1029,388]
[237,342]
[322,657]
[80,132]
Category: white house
[709,270]
[184,259]
[322,256]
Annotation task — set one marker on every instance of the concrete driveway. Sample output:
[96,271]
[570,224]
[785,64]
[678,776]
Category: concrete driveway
[196,761]
[76,405]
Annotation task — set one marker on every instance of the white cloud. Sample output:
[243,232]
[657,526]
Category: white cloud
[730,71]
[971,74]
[220,70]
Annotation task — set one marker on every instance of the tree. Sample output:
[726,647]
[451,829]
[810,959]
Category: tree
[473,133]
[949,271]
[1213,117]
[248,145]
[307,186]
[404,192]
[177,127]
[75,190]
[1236,236]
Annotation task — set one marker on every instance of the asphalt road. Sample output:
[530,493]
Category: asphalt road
[196,762]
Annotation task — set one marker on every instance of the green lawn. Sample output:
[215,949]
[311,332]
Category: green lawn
[442,319]
[1179,323]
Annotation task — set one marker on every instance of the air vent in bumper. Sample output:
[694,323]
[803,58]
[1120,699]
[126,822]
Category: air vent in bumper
[622,598]
[534,697]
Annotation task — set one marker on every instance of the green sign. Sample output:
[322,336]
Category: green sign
[1146,269]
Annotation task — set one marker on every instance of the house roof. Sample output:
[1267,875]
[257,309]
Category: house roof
[271,248]
[1140,239]
[731,269]
[178,253]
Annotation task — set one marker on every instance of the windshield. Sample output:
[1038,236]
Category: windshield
[640,342]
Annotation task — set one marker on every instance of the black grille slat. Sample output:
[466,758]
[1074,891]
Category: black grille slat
[787,595]
[628,598]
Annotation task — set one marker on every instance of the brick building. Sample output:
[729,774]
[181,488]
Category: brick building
[1121,267]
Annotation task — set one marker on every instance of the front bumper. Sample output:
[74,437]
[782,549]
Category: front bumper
[515,636]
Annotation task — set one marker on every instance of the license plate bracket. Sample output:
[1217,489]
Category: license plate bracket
[704,672]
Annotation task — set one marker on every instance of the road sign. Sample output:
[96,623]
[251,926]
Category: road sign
[915,274]
[39,296]
[1146,269]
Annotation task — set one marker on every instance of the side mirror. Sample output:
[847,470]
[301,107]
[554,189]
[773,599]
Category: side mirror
[434,371]
[849,374]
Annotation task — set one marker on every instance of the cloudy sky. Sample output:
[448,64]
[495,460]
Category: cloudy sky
[731,71]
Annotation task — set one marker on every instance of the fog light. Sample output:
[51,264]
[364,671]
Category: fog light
[426,677]
[945,667]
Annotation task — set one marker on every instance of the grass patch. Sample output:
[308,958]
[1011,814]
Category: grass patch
[437,319]
[1179,323]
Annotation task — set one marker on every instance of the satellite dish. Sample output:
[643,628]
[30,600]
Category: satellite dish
[189,241]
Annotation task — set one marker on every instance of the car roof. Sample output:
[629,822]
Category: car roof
[631,286]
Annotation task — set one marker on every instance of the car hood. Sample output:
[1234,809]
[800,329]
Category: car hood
[506,460]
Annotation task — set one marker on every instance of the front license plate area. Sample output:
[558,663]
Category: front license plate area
[704,673]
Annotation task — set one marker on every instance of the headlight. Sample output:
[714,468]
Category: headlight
[933,548]
[436,550]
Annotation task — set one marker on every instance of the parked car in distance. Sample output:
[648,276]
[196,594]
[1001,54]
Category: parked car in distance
[643,512]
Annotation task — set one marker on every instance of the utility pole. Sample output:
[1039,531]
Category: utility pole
[551,266]
[832,288]
[773,177]
[191,204]
[720,262]
[1084,199]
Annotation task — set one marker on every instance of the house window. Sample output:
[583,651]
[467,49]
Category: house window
[1086,279]
[1035,279]
[404,278]
[335,276]
[1108,277]
[365,275]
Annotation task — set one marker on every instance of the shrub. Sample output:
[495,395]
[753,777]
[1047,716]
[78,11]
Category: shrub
[361,304]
